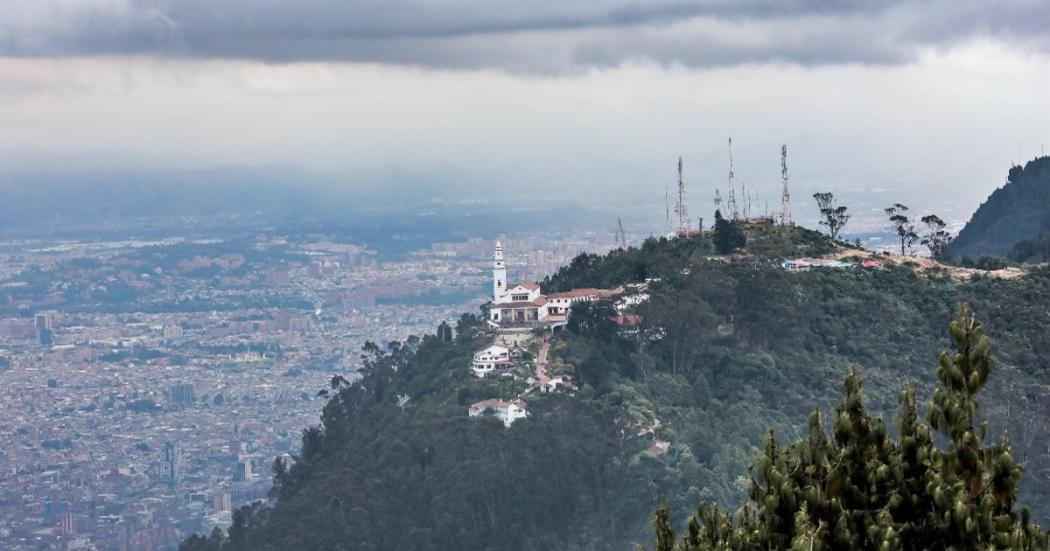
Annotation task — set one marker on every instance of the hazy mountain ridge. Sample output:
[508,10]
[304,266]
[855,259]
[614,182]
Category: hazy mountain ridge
[1015,212]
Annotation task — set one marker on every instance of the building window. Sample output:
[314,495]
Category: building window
[520,297]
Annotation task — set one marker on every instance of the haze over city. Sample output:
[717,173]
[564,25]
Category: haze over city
[436,274]
[922,97]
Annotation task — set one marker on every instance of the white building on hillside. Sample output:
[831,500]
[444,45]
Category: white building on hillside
[490,360]
[520,303]
[525,304]
[508,412]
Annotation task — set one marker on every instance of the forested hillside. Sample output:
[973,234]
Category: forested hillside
[1016,212]
[672,413]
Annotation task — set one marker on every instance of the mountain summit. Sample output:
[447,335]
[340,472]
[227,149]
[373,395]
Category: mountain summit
[1016,212]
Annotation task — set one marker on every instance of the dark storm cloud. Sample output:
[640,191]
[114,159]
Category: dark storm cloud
[544,35]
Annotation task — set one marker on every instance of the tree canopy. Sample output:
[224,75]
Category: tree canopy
[727,235]
[833,216]
[902,226]
[860,489]
[673,410]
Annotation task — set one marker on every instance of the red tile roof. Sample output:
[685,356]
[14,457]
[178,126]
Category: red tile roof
[492,403]
[628,319]
[578,293]
[522,304]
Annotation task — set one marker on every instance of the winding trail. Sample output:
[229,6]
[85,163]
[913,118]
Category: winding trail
[541,363]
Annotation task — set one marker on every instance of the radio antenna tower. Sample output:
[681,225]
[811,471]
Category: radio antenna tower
[718,199]
[680,208]
[667,206]
[785,197]
[621,235]
[746,196]
[734,214]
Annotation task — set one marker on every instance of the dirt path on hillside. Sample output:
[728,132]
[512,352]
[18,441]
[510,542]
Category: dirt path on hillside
[927,264]
[541,362]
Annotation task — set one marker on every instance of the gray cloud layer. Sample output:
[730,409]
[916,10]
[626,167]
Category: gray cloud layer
[538,36]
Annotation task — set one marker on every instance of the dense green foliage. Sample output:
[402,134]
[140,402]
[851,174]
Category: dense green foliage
[1036,249]
[1017,211]
[728,236]
[671,413]
[658,258]
[861,489]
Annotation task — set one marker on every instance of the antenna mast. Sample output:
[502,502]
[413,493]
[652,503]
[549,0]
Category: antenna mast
[785,197]
[734,214]
[621,235]
[747,200]
[680,208]
[667,206]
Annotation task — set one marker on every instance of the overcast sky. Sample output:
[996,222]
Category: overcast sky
[933,99]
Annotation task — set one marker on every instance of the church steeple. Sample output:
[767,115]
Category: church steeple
[499,274]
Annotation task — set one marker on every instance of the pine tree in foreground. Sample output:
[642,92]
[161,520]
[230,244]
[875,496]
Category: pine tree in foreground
[860,489]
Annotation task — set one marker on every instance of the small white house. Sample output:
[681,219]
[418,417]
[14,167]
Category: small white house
[508,412]
[489,360]
[552,384]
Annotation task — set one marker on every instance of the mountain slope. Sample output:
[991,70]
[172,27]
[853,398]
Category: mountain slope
[673,413]
[1018,211]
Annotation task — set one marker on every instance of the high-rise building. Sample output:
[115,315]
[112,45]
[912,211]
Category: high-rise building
[220,502]
[172,331]
[44,323]
[172,463]
[182,394]
[243,471]
[69,523]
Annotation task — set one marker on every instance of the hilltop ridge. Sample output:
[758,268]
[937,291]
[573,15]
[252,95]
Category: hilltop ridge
[1016,212]
[668,409]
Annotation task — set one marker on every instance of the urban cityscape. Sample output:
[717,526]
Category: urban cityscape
[152,383]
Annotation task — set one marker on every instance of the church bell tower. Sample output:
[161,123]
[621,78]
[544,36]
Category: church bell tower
[499,274]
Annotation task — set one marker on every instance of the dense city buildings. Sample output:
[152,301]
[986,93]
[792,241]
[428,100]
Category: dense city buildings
[150,384]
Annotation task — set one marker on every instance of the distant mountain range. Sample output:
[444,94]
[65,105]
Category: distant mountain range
[1015,220]
[390,211]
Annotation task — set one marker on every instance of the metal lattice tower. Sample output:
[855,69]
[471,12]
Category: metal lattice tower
[667,206]
[621,235]
[747,200]
[734,213]
[718,200]
[680,208]
[785,196]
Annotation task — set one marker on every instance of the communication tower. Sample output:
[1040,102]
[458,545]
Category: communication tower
[680,208]
[667,206]
[734,213]
[620,234]
[785,196]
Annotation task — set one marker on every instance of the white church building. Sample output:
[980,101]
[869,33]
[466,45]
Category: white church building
[524,304]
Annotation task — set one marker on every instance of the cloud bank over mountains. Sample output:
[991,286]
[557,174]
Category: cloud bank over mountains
[543,36]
